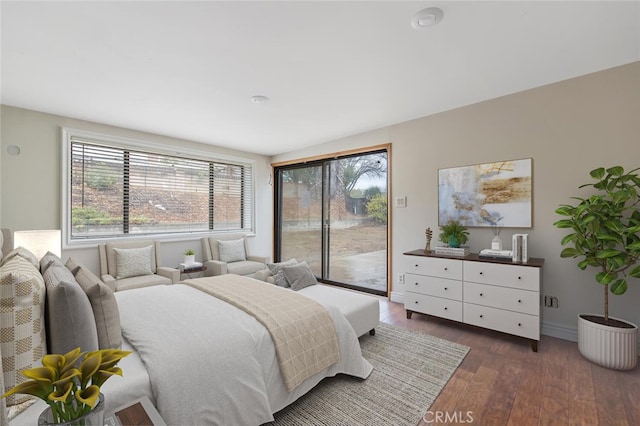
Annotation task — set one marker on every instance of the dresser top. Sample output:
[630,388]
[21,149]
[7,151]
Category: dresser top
[474,257]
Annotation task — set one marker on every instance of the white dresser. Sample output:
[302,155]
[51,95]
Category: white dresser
[489,293]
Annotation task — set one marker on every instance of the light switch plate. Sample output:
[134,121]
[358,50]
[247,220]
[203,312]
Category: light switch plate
[401,202]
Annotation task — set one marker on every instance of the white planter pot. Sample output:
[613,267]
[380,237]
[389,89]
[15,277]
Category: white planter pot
[610,347]
[189,259]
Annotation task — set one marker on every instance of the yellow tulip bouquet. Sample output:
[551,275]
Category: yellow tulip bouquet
[70,383]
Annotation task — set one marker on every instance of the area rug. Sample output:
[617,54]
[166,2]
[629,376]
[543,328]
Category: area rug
[410,370]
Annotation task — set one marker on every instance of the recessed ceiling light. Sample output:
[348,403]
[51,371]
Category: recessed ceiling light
[427,18]
[259,99]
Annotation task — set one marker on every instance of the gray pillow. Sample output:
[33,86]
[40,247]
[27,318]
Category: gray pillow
[104,306]
[49,259]
[276,270]
[70,321]
[133,262]
[299,276]
[231,250]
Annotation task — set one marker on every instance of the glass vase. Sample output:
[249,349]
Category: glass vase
[496,243]
[95,417]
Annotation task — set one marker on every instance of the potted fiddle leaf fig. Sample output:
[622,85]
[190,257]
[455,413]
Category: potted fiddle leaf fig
[453,234]
[605,234]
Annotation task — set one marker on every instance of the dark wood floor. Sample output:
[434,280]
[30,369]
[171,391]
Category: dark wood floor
[502,382]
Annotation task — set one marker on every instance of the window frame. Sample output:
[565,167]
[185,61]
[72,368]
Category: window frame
[158,148]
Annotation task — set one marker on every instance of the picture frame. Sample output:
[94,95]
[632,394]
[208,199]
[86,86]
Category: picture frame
[497,194]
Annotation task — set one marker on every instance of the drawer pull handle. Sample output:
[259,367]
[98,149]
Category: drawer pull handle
[481,316]
[519,325]
[519,301]
[416,265]
[446,288]
[445,308]
[446,269]
[481,294]
[480,273]
[519,278]
[416,302]
[416,283]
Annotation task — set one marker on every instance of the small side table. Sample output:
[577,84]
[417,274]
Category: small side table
[190,271]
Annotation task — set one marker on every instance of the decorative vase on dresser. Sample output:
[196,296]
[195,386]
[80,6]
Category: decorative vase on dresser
[496,294]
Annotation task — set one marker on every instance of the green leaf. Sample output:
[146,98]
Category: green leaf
[568,238]
[619,286]
[603,254]
[569,252]
[597,173]
[615,171]
[564,223]
[635,272]
[604,277]
[633,246]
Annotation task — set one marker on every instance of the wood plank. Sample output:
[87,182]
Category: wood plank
[501,381]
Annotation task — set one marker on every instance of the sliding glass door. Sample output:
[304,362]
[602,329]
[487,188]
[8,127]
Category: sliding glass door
[332,213]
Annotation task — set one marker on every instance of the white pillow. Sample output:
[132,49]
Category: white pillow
[133,262]
[232,250]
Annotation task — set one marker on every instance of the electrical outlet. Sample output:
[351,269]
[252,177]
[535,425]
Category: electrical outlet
[401,278]
[550,302]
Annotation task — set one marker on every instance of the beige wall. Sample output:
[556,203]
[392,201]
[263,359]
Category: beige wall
[568,128]
[31,182]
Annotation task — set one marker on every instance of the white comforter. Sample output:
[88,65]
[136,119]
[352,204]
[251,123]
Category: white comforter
[211,363]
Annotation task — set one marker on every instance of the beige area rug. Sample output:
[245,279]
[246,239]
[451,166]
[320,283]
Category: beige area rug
[410,370]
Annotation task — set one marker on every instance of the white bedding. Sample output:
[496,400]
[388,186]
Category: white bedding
[211,363]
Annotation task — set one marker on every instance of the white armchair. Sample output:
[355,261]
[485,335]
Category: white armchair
[131,257]
[229,254]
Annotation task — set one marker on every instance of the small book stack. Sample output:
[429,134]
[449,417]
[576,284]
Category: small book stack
[452,251]
[187,266]
[519,248]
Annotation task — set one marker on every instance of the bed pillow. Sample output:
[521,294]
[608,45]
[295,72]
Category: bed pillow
[48,260]
[232,250]
[133,262]
[22,337]
[299,276]
[276,270]
[23,253]
[70,320]
[104,306]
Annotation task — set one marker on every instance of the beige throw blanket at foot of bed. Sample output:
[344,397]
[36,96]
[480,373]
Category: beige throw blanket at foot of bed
[302,330]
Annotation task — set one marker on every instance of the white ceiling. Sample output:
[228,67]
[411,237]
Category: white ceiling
[331,69]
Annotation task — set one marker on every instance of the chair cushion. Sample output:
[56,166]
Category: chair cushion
[276,270]
[299,276]
[70,320]
[141,281]
[133,262]
[109,263]
[232,250]
[105,309]
[247,267]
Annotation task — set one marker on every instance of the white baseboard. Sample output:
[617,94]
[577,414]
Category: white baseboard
[397,296]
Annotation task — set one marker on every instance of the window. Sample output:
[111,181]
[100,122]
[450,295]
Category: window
[116,189]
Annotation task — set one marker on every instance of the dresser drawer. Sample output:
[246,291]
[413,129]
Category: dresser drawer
[434,286]
[523,301]
[445,308]
[523,277]
[436,267]
[506,321]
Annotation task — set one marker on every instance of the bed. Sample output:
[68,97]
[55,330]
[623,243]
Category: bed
[202,360]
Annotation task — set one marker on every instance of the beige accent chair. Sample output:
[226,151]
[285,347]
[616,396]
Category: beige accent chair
[108,267]
[211,258]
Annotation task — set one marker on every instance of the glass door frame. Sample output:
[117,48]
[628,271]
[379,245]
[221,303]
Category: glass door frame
[324,162]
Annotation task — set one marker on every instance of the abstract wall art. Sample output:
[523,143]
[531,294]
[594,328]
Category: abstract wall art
[490,194]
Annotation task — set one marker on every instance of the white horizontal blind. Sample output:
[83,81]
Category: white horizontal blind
[118,191]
